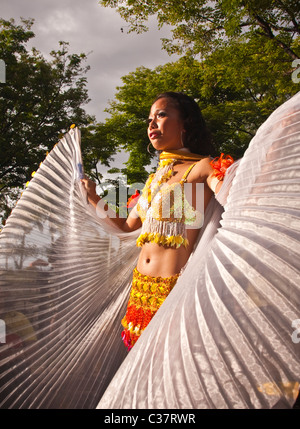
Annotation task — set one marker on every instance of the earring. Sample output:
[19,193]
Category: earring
[148,149]
[182,144]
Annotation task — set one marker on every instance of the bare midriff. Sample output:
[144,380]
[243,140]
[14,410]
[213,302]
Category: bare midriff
[157,260]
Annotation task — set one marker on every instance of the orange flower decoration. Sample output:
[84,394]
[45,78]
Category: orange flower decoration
[220,165]
[133,199]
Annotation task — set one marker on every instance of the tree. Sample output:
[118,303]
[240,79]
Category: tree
[237,60]
[129,112]
[201,26]
[40,99]
[235,100]
[97,146]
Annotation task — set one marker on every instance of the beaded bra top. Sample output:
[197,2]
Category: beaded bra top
[163,209]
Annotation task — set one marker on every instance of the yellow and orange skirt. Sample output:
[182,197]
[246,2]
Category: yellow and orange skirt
[146,296]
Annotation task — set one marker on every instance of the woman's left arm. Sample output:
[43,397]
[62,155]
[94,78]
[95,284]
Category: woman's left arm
[219,167]
[205,173]
[214,183]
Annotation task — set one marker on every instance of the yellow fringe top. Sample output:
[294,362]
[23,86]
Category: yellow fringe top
[163,208]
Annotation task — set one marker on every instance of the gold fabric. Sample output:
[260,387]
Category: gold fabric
[146,296]
[164,209]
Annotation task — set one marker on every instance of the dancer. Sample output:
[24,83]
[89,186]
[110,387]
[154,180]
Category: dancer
[170,216]
[227,336]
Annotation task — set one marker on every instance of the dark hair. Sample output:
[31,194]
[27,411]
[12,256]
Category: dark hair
[196,137]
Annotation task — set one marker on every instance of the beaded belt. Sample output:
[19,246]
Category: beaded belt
[146,296]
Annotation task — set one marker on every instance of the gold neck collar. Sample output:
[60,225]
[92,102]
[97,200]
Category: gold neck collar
[180,155]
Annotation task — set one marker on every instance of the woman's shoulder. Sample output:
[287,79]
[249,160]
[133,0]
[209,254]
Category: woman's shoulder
[201,170]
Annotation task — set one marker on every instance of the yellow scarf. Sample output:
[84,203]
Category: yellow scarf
[179,154]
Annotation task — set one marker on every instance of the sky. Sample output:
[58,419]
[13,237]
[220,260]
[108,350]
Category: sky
[95,31]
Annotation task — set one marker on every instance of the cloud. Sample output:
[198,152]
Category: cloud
[96,31]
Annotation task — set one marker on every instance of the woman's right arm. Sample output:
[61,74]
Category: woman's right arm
[131,223]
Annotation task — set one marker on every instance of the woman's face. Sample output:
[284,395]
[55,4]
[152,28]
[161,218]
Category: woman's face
[165,127]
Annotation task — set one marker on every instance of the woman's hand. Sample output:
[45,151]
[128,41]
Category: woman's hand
[125,224]
[90,188]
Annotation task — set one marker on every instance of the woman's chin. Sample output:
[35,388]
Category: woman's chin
[165,148]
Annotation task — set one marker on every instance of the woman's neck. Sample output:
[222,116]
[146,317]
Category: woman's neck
[180,154]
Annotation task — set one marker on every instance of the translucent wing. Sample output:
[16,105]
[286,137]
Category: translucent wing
[224,336]
[64,276]
[227,335]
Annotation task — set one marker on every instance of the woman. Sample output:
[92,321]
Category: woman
[212,344]
[169,216]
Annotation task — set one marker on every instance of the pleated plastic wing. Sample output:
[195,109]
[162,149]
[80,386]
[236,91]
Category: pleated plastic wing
[228,334]
[64,277]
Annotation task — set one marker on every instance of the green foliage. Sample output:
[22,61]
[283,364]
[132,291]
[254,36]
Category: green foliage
[236,62]
[98,145]
[127,125]
[40,99]
[233,87]
[201,26]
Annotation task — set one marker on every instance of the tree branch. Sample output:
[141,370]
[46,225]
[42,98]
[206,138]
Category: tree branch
[267,31]
[290,13]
